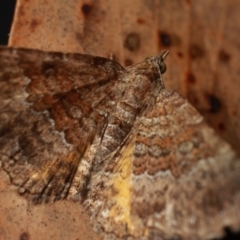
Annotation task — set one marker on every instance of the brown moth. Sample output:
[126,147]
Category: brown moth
[138,156]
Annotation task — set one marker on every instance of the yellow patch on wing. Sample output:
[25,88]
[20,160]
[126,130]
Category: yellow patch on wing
[122,182]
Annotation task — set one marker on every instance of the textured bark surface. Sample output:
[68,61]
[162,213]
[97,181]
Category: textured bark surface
[203,66]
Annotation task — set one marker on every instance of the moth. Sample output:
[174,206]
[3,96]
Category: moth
[138,156]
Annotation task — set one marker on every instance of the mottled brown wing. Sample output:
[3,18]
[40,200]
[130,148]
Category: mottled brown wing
[175,179]
[53,107]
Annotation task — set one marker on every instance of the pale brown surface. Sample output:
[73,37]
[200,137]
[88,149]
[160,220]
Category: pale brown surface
[203,65]
[60,220]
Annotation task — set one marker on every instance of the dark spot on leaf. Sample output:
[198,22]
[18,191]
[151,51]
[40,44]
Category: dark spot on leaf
[234,112]
[128,62]
[79,37]
[221,126]
[215,104]
[132,42]
[140,21]
[86,9]
[191,78]
[21,11]
[24,236]
[196,52]
[195,101]
[224,56]
[34,23]
[179,54]
[164,39]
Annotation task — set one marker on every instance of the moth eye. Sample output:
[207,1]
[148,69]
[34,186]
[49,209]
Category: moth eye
[163,67]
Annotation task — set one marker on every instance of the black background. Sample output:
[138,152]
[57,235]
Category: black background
[6,18]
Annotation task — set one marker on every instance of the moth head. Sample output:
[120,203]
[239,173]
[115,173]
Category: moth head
[158,61]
